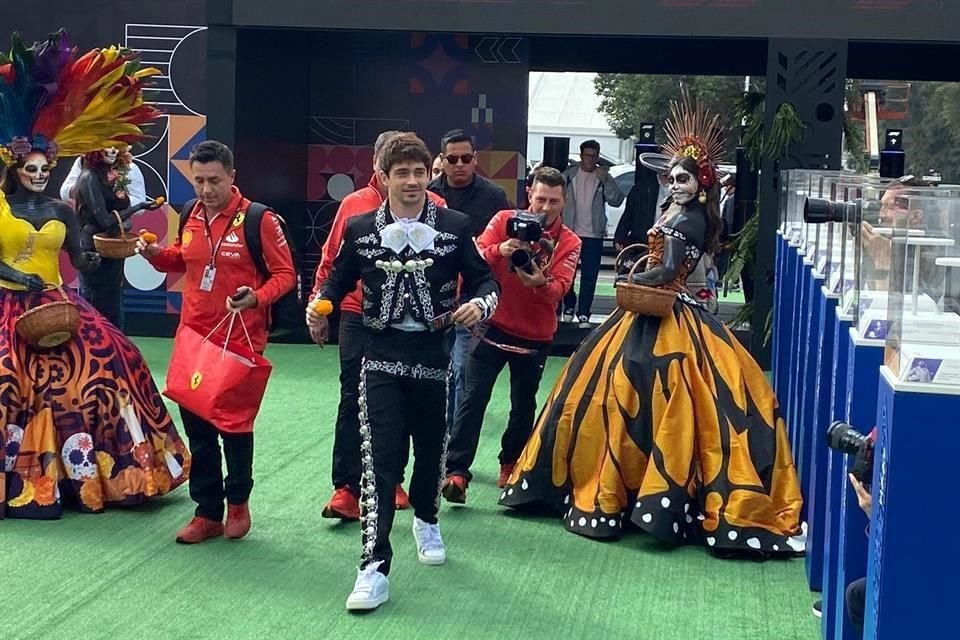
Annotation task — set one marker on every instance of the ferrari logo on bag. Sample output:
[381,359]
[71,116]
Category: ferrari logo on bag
[238,220]
[196,380]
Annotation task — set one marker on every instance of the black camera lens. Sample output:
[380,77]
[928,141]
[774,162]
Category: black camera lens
[818,211]
[843,437]
[521,259]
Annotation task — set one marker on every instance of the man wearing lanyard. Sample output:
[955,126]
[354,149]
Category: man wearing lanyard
[221,277]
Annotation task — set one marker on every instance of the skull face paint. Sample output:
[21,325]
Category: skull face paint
[35,172]
[110,155]
[683,185]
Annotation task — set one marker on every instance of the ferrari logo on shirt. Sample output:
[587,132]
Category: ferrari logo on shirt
[196,380]
[187,238]
[238,220]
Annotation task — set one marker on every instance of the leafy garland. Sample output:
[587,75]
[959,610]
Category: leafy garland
[787,128]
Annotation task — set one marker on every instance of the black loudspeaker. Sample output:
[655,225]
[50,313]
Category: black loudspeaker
[647,133]
[892,158]
[556,152]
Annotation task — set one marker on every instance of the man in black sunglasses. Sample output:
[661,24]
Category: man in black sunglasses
[479,198]
[460,185]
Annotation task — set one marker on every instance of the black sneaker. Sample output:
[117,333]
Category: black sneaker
[817,608]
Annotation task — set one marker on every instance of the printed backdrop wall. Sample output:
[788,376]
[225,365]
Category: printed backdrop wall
[309,105]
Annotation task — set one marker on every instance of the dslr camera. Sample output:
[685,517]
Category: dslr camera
[843,437]
[819,211]
[527,227]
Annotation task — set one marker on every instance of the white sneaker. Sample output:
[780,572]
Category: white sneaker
[568,316]
[371,589]
[430,549]
[584,322]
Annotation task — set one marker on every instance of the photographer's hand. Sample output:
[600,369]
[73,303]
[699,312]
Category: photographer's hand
[535,279]
[863,496]
[507,247]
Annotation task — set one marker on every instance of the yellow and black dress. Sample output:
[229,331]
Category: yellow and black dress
[82,422]
[667,423]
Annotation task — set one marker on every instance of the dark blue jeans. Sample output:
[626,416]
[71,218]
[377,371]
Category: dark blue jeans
[591,252]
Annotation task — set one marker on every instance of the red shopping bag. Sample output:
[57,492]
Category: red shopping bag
[219,382]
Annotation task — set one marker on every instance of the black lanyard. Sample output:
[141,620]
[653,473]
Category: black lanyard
[214,251]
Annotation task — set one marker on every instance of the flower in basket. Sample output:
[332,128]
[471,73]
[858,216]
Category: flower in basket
[112,176]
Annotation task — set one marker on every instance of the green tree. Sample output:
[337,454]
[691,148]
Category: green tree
[627,101]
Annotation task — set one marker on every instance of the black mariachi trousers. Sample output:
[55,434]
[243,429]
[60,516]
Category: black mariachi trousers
[403,394]
[352,343]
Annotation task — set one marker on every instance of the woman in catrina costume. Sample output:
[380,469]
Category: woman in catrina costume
[81,420]
[667,423]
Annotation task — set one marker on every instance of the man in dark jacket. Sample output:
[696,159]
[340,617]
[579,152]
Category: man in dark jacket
[409,256]
[480,199]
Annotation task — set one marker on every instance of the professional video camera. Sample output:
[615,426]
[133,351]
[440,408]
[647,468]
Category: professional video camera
[843,437]
[528,227]
[818,211]
[525,226]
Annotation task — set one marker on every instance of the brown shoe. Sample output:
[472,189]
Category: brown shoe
[400,498]
[198,530]
[454,489]
[238,521]
[506,470]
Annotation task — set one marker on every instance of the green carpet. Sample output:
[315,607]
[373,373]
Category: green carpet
[119,575]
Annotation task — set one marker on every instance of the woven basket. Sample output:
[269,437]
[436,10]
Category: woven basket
[116,248]
[648,301]
[49,325]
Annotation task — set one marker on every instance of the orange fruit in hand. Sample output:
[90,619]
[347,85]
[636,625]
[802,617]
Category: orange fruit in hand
[148,237]
[323,307]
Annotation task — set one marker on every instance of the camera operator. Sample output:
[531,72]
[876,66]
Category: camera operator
[533,256]
[861,447]
[856,596]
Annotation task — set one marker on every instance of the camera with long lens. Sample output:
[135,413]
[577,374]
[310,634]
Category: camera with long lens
[527,227]
[843,437]
[820,210]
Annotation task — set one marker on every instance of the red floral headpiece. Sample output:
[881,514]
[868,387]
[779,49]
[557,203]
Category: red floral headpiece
[693,133]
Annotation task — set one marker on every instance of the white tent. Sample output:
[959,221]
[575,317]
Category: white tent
[566,105]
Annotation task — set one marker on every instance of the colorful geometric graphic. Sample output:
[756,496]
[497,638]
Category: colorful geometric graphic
[183,133]
[506,168]
[178,92]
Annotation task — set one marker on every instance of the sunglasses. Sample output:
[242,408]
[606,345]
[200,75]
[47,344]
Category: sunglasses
[466,158]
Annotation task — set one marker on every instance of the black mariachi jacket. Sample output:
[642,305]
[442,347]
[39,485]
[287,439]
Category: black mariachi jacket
[427,287]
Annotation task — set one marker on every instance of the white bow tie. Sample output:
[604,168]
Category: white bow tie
[400,235]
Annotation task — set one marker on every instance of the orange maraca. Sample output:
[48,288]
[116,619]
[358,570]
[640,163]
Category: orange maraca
[321,307]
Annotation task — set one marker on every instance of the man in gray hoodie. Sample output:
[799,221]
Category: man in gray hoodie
[589,190]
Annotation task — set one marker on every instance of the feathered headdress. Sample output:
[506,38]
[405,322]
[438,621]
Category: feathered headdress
[53,102]
[692,132]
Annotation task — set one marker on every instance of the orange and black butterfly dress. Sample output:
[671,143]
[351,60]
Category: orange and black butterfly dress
[668,424]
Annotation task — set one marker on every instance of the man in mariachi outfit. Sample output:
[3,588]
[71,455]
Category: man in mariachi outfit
[408,255]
